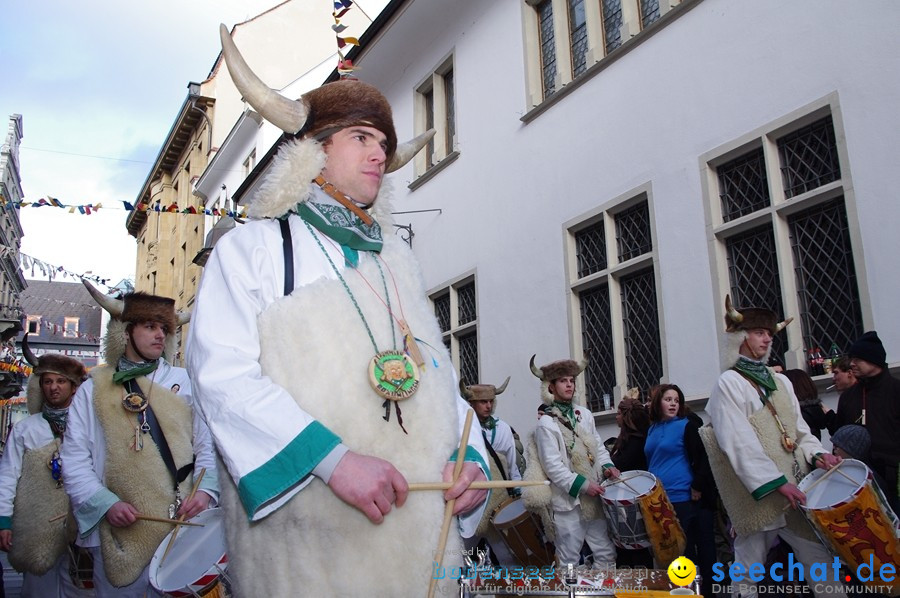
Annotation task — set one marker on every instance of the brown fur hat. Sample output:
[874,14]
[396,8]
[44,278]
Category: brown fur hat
[346,103]
[144,307]
[558,369]
[54,363]
[751,318]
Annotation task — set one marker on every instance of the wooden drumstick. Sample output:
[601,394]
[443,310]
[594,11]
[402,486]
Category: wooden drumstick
[627,485]
[813,485]
[174,522]
[57,518]
[448,508]
[181,517]
[477,485]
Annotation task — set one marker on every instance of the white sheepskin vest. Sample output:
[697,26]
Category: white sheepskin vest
[38,542]
[313,343]
[757,514]
[139,477]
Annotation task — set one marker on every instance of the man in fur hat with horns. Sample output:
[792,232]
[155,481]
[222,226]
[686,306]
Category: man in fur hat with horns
[760,447]
[572,456]
[320,368]
[31,492]
[501,445]
[132,444]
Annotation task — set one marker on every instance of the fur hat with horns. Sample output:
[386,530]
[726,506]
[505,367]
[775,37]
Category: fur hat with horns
[48,363]
[739,320]
[482,392]
[553,370]
[316,115]
[134,308]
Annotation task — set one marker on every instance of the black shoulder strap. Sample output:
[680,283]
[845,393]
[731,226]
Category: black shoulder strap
[288,248]
[160,439]
[496,458]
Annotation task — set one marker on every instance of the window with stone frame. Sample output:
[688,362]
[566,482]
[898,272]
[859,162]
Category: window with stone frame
[456,309]
[786,234]
[565,38]
[614,299]
[435,108]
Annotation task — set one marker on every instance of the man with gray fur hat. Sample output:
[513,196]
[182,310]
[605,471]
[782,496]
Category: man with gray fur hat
[874,402]
[572,456]
[306,354]
[760,447]
[31,492]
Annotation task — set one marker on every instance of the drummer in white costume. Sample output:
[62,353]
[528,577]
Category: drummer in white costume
[501,445]
[760,448]
[573,457]
[31,494]
[115,457]
[308,376]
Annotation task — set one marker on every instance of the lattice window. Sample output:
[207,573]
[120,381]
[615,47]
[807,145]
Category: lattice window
[450,103]
[468,358]
[466,298]
[743,186]
[753,274]
[590,249]
[649,12]
[597,340]
[578,36]
[435,109]
[830,310]
[442,311]
[809,158]
[633,232]
[548,47]
[641,323]
[612,24]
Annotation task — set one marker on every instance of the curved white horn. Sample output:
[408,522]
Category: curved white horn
[782,325]
[183,316]
[731,313]
[500,390]
[287,115]
[111,304]
[538,372]
[406,151]
[581,365]
[27,353]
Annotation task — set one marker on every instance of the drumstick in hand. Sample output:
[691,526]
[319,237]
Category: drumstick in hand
[181,517]
[176,522]
[448,509]
[477,485]
[821,478]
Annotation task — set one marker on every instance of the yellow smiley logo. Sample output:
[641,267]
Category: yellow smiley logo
[682,571]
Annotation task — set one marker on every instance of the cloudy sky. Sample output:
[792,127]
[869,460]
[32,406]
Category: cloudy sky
[98,84]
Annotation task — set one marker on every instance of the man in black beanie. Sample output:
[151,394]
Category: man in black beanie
[874,403]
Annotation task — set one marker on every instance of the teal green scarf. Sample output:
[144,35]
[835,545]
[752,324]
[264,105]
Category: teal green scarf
[758,372]
[345,227]
[129,370]
[568,410]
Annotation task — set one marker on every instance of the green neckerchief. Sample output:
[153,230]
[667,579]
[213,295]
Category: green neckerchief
[56,418]
[338,223]
[758,372]
[489,424]
[129,370]
[568,410]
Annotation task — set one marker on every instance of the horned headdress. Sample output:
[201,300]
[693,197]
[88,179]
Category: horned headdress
[553,370]
[314,116]
[48,363]
[482,392]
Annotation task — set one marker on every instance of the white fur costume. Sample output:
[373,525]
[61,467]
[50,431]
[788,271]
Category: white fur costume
[283,385]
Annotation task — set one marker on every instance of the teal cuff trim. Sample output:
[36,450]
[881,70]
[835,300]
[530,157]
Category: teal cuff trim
[91,513]
[474,456]
[576,485]
[210,484]
[768,488]
[5,522]
[286,469]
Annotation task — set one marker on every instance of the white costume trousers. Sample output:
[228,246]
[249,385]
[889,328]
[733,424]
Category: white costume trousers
[572,530]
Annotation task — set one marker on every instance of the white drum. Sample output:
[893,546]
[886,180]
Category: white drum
[196,560]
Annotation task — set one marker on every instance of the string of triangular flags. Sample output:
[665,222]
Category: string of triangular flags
[89,208]
[345,66]
[49,270]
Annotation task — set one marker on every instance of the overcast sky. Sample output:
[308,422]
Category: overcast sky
[99,84]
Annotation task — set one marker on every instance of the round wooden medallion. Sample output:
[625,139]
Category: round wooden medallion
[134,402]
[393,375]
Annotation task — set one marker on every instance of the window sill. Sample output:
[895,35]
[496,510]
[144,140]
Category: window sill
[433,171]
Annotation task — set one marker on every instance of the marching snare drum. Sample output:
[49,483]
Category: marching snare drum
[852,517]
[640,515]
[522,533]
[196,561]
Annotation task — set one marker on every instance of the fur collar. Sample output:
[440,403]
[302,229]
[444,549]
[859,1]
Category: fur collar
[287,183]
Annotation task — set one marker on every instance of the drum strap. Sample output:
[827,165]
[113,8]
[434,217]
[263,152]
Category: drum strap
[288,249]
[160,439]
[496,459]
